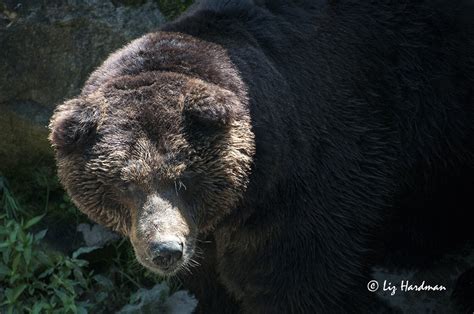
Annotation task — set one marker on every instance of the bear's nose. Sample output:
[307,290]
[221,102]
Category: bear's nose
[165,254]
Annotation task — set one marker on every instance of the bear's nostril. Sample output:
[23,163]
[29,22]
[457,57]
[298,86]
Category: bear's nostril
[166,254]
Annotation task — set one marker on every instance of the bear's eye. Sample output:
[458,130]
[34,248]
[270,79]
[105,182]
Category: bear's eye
[179,185]
[187,183]
[126,187]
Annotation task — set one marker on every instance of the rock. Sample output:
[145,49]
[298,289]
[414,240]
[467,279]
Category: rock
[96,235]
[180,302]
[156,300]
[48,49]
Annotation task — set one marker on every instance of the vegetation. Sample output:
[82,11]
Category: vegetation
[37,279]
[33,281]
[172,8]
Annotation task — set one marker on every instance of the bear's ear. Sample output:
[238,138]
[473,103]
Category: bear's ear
[72,125]
[211,104]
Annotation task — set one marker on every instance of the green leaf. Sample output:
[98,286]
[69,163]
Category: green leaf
[72,307]
[81,310]
[101,296]
[33,221]
[19,247]
[81,263]
[40,235]
[47,272]
[104,281]
[39,285]
[6,255]
[79,276]
[4,270]
[22,236]
[43,258]
[13,236]
[69,285]
[16,262]
[62,296]
[83,250]
[37,307]
[14,277]
[27,255]
[31,289]
[9,294]
[16,292]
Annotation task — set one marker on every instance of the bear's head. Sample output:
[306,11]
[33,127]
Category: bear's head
[157,156]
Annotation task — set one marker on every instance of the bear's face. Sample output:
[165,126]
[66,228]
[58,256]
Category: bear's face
[159,157]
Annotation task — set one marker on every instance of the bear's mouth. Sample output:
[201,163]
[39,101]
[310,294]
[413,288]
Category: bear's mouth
[164,262]
[161,270]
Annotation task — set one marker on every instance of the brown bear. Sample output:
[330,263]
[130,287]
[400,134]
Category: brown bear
[258,149]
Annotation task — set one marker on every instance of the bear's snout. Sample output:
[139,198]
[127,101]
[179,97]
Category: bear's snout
[163,234]
[166,254]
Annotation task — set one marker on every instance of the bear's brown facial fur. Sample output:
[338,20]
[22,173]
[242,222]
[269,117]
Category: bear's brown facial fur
[157,156]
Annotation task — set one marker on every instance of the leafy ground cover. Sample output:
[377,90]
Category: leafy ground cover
[37,278]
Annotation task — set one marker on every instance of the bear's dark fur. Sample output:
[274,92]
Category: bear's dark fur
[358,111]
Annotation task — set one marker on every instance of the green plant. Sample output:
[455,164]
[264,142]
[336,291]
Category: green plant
[36,279]
[172,8]
[9,203]
[33,280]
